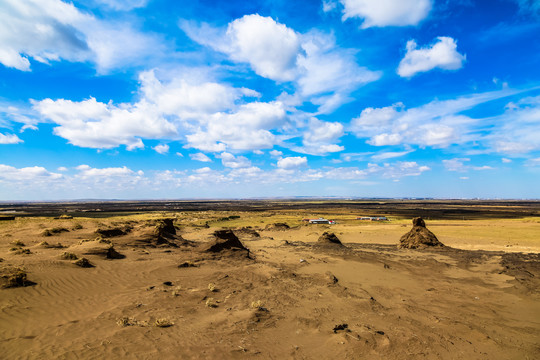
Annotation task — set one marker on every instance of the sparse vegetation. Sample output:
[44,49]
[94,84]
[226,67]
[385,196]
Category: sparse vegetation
[78,227]
[176,291]
[257,304]
[163,323]
[211,303]
[54,231]
[68,256]
[187,264]
[83,262]
[45,244]
[20,251]
[18,243]
[212,287]
[11,277]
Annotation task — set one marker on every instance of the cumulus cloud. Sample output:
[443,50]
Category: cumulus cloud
[319,137]
[436,124]
[164,108]
[249,128]
[161,148]
[291,163]
[322,72]
[441,54]
[32,173]
[386,12]
[200,157]
[9,139]
[53,30]
[94,124]
[276,153]
[234,162]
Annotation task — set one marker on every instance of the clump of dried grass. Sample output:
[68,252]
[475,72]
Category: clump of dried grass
[68,256]
[163,323]
[11,277]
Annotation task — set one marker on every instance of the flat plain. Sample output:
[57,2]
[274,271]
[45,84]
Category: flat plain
[167,280]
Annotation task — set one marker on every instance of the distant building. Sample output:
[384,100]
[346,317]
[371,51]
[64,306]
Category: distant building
[321,221]
[372,218]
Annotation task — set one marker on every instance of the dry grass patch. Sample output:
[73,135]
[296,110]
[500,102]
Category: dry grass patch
[68,256]
[54,231]
[11,277]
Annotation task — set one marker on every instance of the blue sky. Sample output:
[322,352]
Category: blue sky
[153,99]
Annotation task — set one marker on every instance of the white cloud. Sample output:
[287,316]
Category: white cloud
[122,5]
[322,72]
[533,162]
[9,139]
[387,170]
[327,73]
[442,54]
[249,128]
[319,136]
[62,168]
[506,161]
[53,30]
[458,164]
[329,5]
[390,155]
[163,110]
[386,12]
[200,157]
[179,154]
[234,162]
[436,124]
[93,124]
[269,47]
[87,172]
[161,148]
[518,130]
[293,162]
[34,173]
[276,153]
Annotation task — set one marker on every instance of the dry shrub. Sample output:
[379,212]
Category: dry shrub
[68,256]
[83,262]
[54,231]
[12,277]
[211,303]
[20,251]
[163,323]
[51,246]
[18,243]
[212,287]
[257,304]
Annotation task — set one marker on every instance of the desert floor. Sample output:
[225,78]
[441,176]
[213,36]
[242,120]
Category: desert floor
[290,297]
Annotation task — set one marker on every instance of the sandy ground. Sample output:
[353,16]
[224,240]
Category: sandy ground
[290,299]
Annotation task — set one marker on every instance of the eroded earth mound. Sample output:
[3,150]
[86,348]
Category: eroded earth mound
[329,238]
[419,237]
